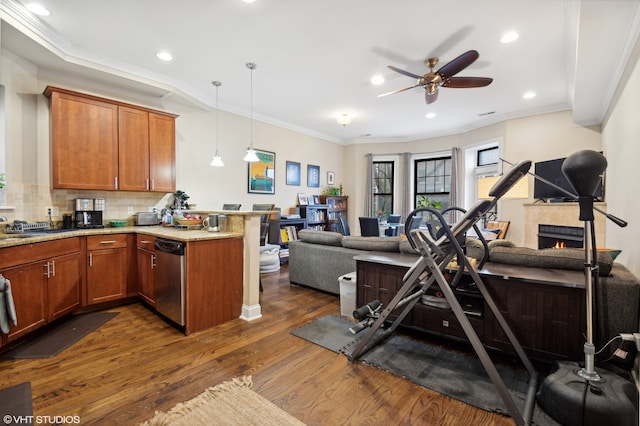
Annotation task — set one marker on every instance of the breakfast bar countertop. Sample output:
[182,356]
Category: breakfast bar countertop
[170,232]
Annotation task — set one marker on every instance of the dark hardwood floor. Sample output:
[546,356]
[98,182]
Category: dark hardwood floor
[137,364]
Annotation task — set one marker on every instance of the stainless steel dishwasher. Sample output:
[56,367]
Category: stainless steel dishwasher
[169,279]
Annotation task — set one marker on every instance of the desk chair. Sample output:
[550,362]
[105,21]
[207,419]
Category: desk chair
[231,206]
[344,223]
[264,224]
[369,226]
[392,231]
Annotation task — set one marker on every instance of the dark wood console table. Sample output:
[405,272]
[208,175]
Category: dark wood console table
[545,308]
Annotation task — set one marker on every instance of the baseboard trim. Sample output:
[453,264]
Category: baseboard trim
[250,313]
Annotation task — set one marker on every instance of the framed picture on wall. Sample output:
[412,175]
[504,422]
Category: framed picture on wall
[261,176]
[331,177]
[313,176]
[293,173]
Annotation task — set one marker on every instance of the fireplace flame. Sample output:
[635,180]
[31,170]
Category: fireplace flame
[559,245]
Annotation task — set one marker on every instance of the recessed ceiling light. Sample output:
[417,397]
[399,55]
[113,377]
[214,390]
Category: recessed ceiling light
[431,115]
[509,37]
[529,95]
[165,56]
[377,79]
[38,9]
[248,1]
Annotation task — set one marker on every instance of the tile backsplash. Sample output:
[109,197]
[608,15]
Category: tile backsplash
[31,201]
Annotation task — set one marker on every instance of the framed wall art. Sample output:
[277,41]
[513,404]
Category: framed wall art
[261,175]
[313,176]
[293,173]
[331,177]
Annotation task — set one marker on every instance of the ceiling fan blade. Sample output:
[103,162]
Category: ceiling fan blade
[431,97]
[398,91]
[467,82]
[407,73]
[458,64]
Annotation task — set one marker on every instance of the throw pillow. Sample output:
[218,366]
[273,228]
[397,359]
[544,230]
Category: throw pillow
[571,259]
[326,238]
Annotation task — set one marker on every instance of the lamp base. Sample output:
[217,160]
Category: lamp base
[572,400]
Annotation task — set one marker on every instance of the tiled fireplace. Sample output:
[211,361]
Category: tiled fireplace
[558,236]
[559,215]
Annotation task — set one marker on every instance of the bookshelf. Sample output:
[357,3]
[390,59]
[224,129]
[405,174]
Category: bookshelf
[281,231]
[337,206]
[316,216]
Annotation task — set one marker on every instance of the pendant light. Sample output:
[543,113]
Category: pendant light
[217,160]
[251,153]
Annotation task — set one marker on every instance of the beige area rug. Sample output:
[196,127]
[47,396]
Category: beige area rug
[229,403]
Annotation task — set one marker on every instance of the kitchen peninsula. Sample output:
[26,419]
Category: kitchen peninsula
[221,271]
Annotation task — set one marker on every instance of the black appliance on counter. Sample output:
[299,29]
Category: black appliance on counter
[89,213]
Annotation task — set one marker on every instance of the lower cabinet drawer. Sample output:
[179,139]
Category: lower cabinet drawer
[443,321]
[100,242]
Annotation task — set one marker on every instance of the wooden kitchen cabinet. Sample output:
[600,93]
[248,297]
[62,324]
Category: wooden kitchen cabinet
[162,152]
[107,268]
[133,139]
[29,290]
[45,288]
[63,284]
[146,257]
[84,135]
[115,146]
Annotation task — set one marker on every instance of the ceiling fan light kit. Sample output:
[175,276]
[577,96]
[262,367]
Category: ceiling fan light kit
[444,77]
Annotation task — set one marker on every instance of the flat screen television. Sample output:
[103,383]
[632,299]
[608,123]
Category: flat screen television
[551,171]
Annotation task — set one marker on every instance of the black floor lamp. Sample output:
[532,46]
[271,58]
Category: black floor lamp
[585,396]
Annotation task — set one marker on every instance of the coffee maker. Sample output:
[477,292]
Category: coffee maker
[89,213]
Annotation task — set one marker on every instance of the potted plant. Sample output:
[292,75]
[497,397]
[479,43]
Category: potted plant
[2,181]
[180,200]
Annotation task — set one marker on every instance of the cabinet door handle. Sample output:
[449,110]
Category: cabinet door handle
[53,268]
[153,184]
[48,272]
[153,261]
[108,242]
[147,184]
[115,179]
[90,259]
[145,242]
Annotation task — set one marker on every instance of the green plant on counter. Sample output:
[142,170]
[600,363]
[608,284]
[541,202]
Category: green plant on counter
[2,181]
[180,200]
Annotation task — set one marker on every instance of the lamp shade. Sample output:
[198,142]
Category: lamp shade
[583,169]
[519,190]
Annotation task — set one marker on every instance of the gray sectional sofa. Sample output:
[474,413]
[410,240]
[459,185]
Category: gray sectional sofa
[319,258]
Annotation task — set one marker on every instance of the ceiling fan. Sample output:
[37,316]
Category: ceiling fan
[444,77]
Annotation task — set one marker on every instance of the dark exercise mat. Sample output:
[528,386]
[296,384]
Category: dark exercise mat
[52,342]
[455,374]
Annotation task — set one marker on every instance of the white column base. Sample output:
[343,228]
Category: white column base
[250,313]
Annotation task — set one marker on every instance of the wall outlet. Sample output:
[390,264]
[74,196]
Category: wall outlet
[130,210]
[51,211]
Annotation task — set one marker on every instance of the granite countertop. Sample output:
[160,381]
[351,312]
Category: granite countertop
[170,232]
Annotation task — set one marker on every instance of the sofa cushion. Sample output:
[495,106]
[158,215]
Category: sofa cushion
[372,243]
[405,247]
[325,238]
[572,259]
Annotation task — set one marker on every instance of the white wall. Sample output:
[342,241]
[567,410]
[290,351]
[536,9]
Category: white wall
[621,143]
[535,138]
[28,164]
